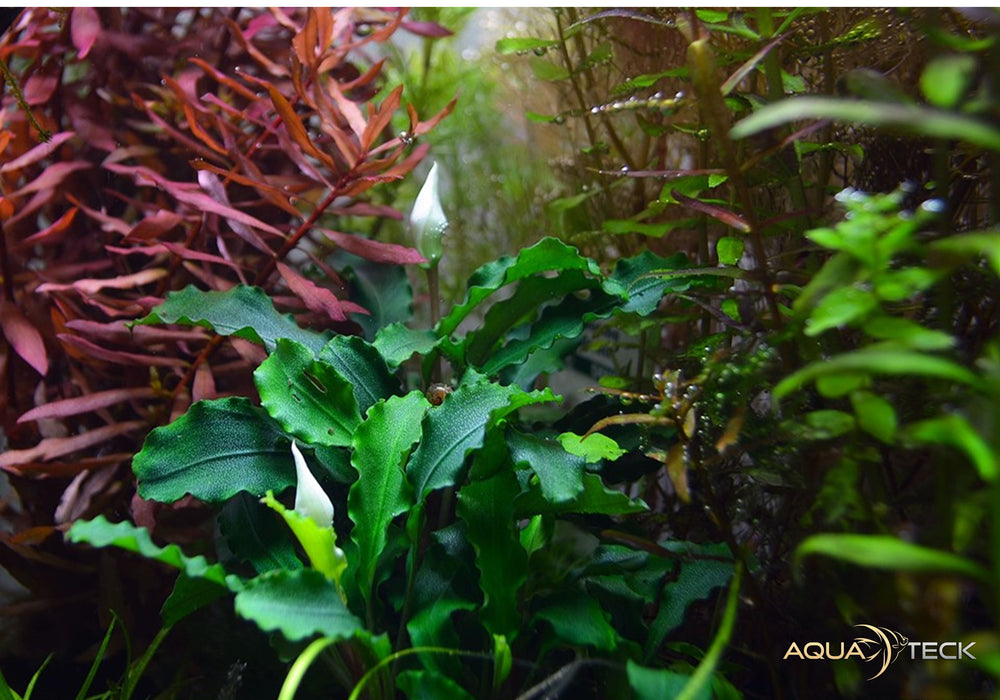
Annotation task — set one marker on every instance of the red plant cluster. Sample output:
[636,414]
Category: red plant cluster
[210,147]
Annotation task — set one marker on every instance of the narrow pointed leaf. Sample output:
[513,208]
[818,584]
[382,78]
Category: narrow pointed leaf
[214,451]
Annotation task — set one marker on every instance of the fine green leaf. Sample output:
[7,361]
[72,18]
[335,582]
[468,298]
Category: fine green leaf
[578,619]
[658,683]
[839,308]
[891,553]
[878,361]
[487,508]
[458,426]
[397,343]
[422,684]
[549,254]
[914,119]
[875,415]
[729,250]
[518,44]
[244,312]
[560,474]
[908,333]
[974,244]
[299,604]
[594,498]
[381,446]
[946,79]
[650,230]
[955,431]
[100,532]
[361,364]
[547,70]
[309,398]
[214,451]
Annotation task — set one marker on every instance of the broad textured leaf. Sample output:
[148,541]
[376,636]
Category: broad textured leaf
[100,532]
[299,604]
[659,683]
[381,446]
[697,579]
[458,426]
[243,311]
[643,286]
[549,254]
[382,289]
[579,620]
[361,364]
[878,361]
[914,119]
[397,343]
[254,535]
[309,398]
[487,507]
[189,594]
[891,553]
[560,474]
[594,498]
[214,451]
[592,448]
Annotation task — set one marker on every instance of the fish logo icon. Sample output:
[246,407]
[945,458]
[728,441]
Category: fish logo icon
[884,645]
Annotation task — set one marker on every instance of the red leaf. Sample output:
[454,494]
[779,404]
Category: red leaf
[381,120]
[57,447]
[50,233]
[85,27]
[117,356]
[153,227]
[428,29]
[722,214]
[39,88]
[86,403]
[316,298]
[376,251]
[23,337]
[51,177]
[93,286]
[40,151]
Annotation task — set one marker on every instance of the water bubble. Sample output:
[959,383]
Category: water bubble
[406,137]
[657,96]
[540,50]
[934,206]
[680,95]
[559,119]
[624,169]
[595,110]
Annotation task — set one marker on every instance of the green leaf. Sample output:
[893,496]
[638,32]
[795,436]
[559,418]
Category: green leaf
[839,308]
[244,312]
[578,619]
[592,448]
[966,245]
[511,45]
[487,508]
[876,416]
[729,250]
[309,398]
[189,594]
[319,542]
[946,79]
[887,552]
[955,431]
[878,361]
[827,424]
[549,254]
[547,70]
[921,121]
[381,446]
[254,535]
[595,498]
[384,290]
[361,364]
[836,385]
[299,604]
[650,230]
[397,343]
[458,426]
[214,451]
[560,474]
[703,568]
[658,683]
[100,532]
[418,685]
[908,333]
[644,288]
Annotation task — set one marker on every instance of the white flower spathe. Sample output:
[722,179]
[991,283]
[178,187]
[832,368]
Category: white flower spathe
[310,498]
[427,219]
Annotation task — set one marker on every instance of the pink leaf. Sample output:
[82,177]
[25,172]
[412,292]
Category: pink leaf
[156,225]
[51,448]
[86,403]
[51,177]
[85,27]
[428,29]
[23,337]
[93,286]
[40,151]
[376,251]
[316,298]
[39,88]
[729,218]
[118,357]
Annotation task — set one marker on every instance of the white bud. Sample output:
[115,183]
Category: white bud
[310,498]
[427,220]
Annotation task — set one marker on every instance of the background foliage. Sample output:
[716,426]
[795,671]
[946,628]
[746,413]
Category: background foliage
[775,261]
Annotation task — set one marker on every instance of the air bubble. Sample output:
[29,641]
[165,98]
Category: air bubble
[934,206]
[624,169]
[559,119]
[540,50]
